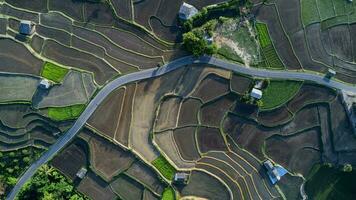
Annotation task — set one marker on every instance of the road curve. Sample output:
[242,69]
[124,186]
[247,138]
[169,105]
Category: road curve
[155,72]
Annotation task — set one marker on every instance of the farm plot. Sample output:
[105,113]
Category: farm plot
[166,144]
[55,34]
[213,112]
[96,188]
[74,90]
[278,92]
[310,12]
[98,13]
[108,159]
[171,33]
[204,185]
[288,151]
[37,43]
[108,123]
[210,139]
[274,117]
[72,57]
[148,195]
[3,25]
[186,143]
[146,176]
[290,186]
[17,88]
[249,111]
[123,8]
[290,11]
[305,118]
[56,20]
[19,14]
[168,113]
[23,62]
[211,87]
[353,40]
[71,159]
[148,93]
[326,9]
[127,188]
[65,113]
[340,40]
[240,84]
[281,47]
[144,10]
[309,94]
[69,8]
[188,114]
[36,5]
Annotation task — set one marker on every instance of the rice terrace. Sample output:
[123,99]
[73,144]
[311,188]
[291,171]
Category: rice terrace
[177,99]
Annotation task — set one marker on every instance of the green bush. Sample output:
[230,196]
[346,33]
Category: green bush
[168,194]
[65,113]
[166,169]
[53,72]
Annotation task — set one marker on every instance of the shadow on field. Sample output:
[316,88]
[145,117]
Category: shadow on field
[38,96]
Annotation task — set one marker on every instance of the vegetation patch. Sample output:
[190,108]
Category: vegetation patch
[278,92]
[13,164]
[166,169]
[49,183]
[310,13]
[65,113]
[263,35]
[53,72]
[327,182]
[168,194]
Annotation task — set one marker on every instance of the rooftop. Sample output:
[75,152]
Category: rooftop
[26,27]
[81,173]
[274,172]
[187,11]
[256,93]
[45,84]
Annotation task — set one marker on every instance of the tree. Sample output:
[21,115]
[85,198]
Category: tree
[347,168]
[194,44]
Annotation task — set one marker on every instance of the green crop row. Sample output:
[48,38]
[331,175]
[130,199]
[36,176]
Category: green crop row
[166,169]
[263,35]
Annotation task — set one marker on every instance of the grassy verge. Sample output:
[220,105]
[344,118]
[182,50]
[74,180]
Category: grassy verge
[65,113]
[229,54]
[168,194]
[278,93]
[13,164]
[166,169]
[53,72]
[326,182]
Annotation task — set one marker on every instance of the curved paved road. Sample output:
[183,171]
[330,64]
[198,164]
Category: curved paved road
[155,72]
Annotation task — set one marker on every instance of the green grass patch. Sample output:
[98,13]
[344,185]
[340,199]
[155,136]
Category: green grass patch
[65,113]
[166,169]
[310,13]
[326,182]
[326,9]
[168,194]
[271,57]
[278,92]
[263,35]
[53,72]
[229,54]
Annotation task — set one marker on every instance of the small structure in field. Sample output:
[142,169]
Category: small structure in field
[45,84]
[274,172]
[181,178]
[208,39]
[26,27]
[187,11]
[256,93]
[81,173]
[331,73]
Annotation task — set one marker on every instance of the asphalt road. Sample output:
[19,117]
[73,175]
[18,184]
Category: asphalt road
[155,72]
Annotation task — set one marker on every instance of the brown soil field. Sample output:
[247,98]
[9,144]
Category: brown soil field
[74,58]
[210,139]
[211,87]
[340,42]
[343,137]
[56,20]
[240,84]
[316,46]
[309,93]
[301,50]
[189,112]
[185,140]
[95,188]
[353,39]
[68,7]
[290,15]
[19,14]
[127,188]
[236,191]
[168,33]
[168,12]
[3,25]
[23,62]
[269,15]
[246,110]
[123,8]
[274,117]
[71,159]
[88,47]
[145,175]
[144,10]
[129,41]
[108,159]
[304,118]
[289,151]
[123,129]
[168,113]
[290,186]
[106,116]
[213,112]
[98,13]
[37,43]
[57,35]
[35,5]
[204,185]
[148,195]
